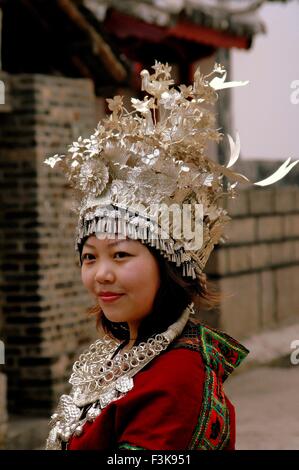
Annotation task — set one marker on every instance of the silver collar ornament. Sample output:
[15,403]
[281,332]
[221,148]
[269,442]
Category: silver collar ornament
[97,380]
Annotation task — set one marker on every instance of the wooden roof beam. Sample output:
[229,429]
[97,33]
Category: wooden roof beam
[77,62]
[100,47]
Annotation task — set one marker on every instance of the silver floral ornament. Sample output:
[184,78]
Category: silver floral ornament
[93,176]
[151,158]
[51,161]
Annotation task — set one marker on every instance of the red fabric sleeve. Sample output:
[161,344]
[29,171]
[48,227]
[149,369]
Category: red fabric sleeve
[161,412]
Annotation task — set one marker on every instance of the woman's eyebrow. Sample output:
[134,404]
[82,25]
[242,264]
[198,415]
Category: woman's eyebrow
[90,246]
[117,242]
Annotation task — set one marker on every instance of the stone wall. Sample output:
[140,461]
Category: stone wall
[42,299]
[257,270]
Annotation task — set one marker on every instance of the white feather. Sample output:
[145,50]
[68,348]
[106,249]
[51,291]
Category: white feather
[280,173]
[218,83]
[234,150]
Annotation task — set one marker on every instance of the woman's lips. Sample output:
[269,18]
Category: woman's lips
[110,297]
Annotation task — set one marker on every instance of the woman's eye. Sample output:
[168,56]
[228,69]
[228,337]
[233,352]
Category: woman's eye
[84,257]
[121,254]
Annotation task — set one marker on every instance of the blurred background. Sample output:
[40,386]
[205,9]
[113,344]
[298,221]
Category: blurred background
[59,61]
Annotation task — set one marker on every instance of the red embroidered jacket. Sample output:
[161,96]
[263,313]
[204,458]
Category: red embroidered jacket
[177,402]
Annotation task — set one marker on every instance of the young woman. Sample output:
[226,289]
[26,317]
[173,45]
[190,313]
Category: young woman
[176,400]
[154,380]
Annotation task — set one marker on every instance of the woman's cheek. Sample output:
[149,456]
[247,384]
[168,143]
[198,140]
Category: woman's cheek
[132,276]
[86,277]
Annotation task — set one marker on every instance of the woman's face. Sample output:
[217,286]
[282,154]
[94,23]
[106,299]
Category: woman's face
[125,268]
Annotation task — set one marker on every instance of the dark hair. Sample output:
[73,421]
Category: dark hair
[173,296]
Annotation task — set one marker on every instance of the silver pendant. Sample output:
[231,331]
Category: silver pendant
[124,384]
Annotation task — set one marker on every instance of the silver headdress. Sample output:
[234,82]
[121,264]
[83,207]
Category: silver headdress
[140,166]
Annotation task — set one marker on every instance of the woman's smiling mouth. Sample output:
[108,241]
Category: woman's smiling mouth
[109,296]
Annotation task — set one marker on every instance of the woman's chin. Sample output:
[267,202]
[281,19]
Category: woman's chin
[114,313]
[114,318]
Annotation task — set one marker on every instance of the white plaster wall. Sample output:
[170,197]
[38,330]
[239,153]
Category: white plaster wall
[267,120]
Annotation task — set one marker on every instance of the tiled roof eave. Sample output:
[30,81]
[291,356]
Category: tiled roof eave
[237,25]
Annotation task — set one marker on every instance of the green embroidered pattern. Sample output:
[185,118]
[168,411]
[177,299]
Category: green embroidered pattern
[127,446]
[212,431]
[221,355]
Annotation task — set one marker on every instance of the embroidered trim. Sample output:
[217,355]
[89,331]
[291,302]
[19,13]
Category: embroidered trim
[221,355]
[219,351]
[212,431]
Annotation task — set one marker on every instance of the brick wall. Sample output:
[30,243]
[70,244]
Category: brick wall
[42,297]
[257,270]
[5,107]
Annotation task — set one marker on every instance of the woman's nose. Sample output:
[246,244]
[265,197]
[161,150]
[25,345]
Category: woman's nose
[104,273]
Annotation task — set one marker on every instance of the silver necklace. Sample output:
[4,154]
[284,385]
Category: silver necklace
[98,380]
